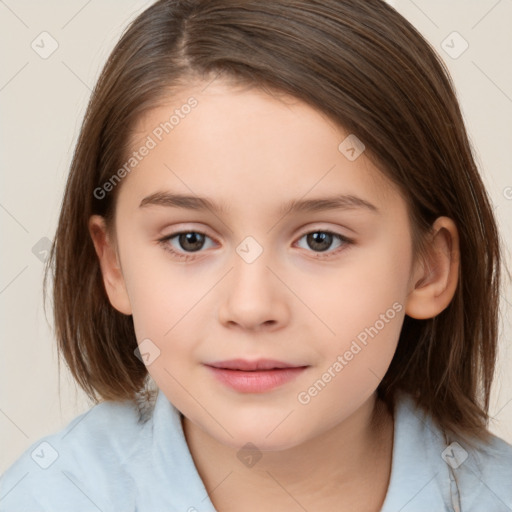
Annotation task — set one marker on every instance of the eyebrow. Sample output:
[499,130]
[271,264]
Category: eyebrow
[337,202]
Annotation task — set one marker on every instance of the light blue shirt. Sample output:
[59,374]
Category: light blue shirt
[112,459]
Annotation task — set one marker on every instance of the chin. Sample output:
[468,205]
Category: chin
[261,434]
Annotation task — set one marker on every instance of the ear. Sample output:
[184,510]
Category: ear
[109,264]
[435,278]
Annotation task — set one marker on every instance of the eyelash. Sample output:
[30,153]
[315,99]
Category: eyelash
[319,255]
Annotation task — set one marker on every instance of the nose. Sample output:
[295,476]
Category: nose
[253,297]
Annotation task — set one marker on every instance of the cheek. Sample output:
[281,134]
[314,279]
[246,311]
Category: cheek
[362,303]
[365,310]
[353,295]
[155,299]
[169,307]
[160,290]
[163,307]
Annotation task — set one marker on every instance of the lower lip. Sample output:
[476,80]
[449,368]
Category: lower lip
[256,381]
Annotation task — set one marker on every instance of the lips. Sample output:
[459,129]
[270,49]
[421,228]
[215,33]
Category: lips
[257,376]
[251,366]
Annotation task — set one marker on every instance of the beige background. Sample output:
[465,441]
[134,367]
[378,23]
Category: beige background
[42,102]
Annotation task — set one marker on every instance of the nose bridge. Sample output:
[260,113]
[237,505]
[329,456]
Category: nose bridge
[251,250]
[251,262]
[253,296]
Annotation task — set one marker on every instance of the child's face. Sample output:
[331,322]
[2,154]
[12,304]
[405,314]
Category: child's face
[257,287]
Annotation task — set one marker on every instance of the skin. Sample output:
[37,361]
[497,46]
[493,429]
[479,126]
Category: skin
[254,152]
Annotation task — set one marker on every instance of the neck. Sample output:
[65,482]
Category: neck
[342,469]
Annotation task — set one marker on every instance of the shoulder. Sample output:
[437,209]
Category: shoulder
[62,471]
[431,469]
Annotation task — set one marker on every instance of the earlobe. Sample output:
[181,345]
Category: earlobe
[435,279]
[109,264]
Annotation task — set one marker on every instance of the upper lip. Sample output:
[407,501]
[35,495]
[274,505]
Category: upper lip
[258,364]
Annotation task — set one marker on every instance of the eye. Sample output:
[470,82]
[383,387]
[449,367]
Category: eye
[184,244]
[189,242]
[321,240]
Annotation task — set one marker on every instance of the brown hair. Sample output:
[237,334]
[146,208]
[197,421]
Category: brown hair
[367,68]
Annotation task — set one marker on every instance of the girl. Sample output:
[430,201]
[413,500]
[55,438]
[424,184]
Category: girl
[277,271]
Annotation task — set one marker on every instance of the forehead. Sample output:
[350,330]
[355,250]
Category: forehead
[228,142]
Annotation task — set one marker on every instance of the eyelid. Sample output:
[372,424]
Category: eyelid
[186,228]
[319,226]
[303,231]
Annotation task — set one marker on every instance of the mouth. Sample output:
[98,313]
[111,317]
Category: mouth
[254,376]
[251,366]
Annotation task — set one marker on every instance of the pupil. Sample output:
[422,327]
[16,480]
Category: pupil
[320,238]
[191,241]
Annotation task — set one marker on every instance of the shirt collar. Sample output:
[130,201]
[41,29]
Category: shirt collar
[419,481]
